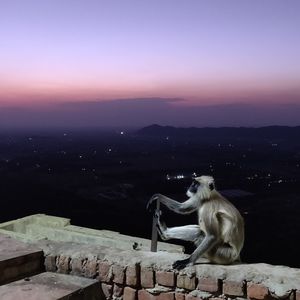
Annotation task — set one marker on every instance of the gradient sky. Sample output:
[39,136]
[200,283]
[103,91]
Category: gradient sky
[207,53]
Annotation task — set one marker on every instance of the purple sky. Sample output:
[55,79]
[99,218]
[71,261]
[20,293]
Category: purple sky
[58,58]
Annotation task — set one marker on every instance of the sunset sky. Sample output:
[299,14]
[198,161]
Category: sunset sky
[61,56]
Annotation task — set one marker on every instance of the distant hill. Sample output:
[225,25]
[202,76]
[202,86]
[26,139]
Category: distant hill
[269,132]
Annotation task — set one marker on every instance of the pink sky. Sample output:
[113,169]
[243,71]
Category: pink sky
[205,52]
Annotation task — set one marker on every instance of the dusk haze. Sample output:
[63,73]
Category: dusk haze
[134,63]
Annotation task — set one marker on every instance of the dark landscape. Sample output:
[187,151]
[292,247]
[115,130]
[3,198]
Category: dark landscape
[104,178]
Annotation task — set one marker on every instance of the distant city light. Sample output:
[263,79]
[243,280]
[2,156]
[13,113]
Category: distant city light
[122,132]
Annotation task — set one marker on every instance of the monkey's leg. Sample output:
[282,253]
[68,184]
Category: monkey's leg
[190,233]
[205,245]
[224,254]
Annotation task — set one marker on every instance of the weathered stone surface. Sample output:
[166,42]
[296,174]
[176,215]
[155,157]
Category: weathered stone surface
[104,270]
[179,296]
[76,266]
[107,290]
[165,278]
[18,259]
[147,277]
[39,226]
[191,297]
[129,293]
[132,273]
[233,288]
[50,263]
[166,296]
[90,268]
[51,286]
[63,264]
[186,282]
[211,285]
[144,295]
[257,291]
[118,273]
[265,274]
[117,290]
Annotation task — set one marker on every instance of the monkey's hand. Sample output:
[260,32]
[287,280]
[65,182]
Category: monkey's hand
[181,264]
[151,205]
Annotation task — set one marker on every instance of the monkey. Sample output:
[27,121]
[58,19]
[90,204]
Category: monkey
[219,235]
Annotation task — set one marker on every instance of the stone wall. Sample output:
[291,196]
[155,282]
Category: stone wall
[141,275]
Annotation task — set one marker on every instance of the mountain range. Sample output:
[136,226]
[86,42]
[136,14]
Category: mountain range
[268,132]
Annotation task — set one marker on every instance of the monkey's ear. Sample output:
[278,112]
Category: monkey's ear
[211,186]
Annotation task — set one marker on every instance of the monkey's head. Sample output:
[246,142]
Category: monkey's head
[203,185]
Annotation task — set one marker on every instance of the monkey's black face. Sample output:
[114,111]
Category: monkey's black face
[194,187]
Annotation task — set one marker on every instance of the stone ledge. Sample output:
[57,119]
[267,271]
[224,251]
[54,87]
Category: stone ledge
[52,286]
[255,281]
[18,259]
[37,227]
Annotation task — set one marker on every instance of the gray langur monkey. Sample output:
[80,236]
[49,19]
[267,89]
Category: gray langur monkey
[219,237]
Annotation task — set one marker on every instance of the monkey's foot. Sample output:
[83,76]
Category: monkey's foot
[180,264]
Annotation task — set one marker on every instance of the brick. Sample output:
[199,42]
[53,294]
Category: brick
[165,278]
[191,297]
[63,264]
[107,290]
[186,282]
[76,266]
[147,277]
[233,288]
[89,269]
[165,296]
[297,295]
[129,293]
[50,263]
[132,275]
[104,270]
[144,295]
[118,274]
[257,291]
[117,290]
[179,296]
[212,285]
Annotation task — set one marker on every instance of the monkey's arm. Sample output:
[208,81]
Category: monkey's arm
[186,207]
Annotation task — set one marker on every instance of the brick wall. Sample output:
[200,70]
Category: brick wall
[144,278]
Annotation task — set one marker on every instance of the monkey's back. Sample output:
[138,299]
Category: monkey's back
[219,217]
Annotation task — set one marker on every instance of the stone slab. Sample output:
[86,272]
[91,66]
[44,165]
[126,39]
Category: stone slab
[52,286]
[38,227]
[18,259]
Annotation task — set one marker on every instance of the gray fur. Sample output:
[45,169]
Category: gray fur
[220,233]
